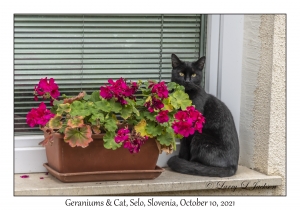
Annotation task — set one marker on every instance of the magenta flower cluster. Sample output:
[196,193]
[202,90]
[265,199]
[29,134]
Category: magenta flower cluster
[47,89]
[119,89]
[162,116]
[39,116]
[159,92]
[131,141]
[188,121]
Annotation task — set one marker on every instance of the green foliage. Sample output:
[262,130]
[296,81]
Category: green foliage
[174,86]
[95,119]
[180,99]
[87,97]
[78,136]
[115,106]
[63,108]
[95,96]
[55,123]
[79,108]
[167,137]
[150,116]
[75,122]
[154,129]
[111,124]
[103,105]
[57,102]
[78,117]
[109,141]
[126,111]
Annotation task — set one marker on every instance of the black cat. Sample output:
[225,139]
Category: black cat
[215,152]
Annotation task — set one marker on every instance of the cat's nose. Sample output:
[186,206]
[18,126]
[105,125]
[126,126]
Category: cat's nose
[188,80]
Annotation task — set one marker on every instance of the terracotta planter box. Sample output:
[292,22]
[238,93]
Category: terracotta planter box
[95,163]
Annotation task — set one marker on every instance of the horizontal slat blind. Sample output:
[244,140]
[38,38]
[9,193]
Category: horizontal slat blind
[83,51]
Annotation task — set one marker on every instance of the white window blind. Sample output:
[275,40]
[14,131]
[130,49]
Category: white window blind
[81,52]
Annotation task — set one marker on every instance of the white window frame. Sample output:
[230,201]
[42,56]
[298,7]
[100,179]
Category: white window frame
[222,79]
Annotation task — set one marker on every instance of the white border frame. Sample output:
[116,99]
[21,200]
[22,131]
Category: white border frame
[222,79]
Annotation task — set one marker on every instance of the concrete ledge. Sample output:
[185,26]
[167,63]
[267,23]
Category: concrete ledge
[168,181]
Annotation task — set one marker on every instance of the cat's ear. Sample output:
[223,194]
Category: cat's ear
[200,63]
[175,61]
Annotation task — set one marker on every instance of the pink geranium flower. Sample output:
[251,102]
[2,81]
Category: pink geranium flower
[39,116]
[46,89]
[183,128]
[154,104]
[181,115]
[118,89]
[187,121]
[106,92]
[134,144]
[160,89]
[162,116]
[122,135]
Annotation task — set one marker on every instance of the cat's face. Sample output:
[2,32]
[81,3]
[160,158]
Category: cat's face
[187,74]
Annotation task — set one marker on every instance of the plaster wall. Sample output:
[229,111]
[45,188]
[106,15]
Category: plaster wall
[277,139]
[262,123]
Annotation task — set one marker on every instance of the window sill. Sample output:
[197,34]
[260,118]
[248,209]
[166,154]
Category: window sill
[168,181]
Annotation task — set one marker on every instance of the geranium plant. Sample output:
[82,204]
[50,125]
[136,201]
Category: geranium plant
[128,114]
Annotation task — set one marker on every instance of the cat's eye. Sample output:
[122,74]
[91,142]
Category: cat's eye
[193,75]
[181,74]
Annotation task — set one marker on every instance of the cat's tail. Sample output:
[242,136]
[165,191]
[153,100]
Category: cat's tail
[194,168]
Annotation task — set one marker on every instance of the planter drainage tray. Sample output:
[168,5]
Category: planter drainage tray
[105,175]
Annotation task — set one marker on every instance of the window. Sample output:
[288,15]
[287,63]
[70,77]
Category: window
[82,51]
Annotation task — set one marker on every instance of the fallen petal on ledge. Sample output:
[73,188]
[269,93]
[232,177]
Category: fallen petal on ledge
[24,176]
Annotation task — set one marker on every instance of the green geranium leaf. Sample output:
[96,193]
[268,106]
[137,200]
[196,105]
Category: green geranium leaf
[178,136]
[132,121]
[126,111]
[62,129]
[111,124]
[96,118]
[92,107]
[146,92]
[55,123]
[141,128]
[115,106]
[167,104]
[87,97]
[140,102]
[95,96]
[63,108]
[56,102]
[135,111]
[54,109]
[179,99]
[149,115]
[80,137]
[130,102]
[166,138]
[75,122]
[153,129]
[103,105]
[79,108]
[171,86]
[109,141]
